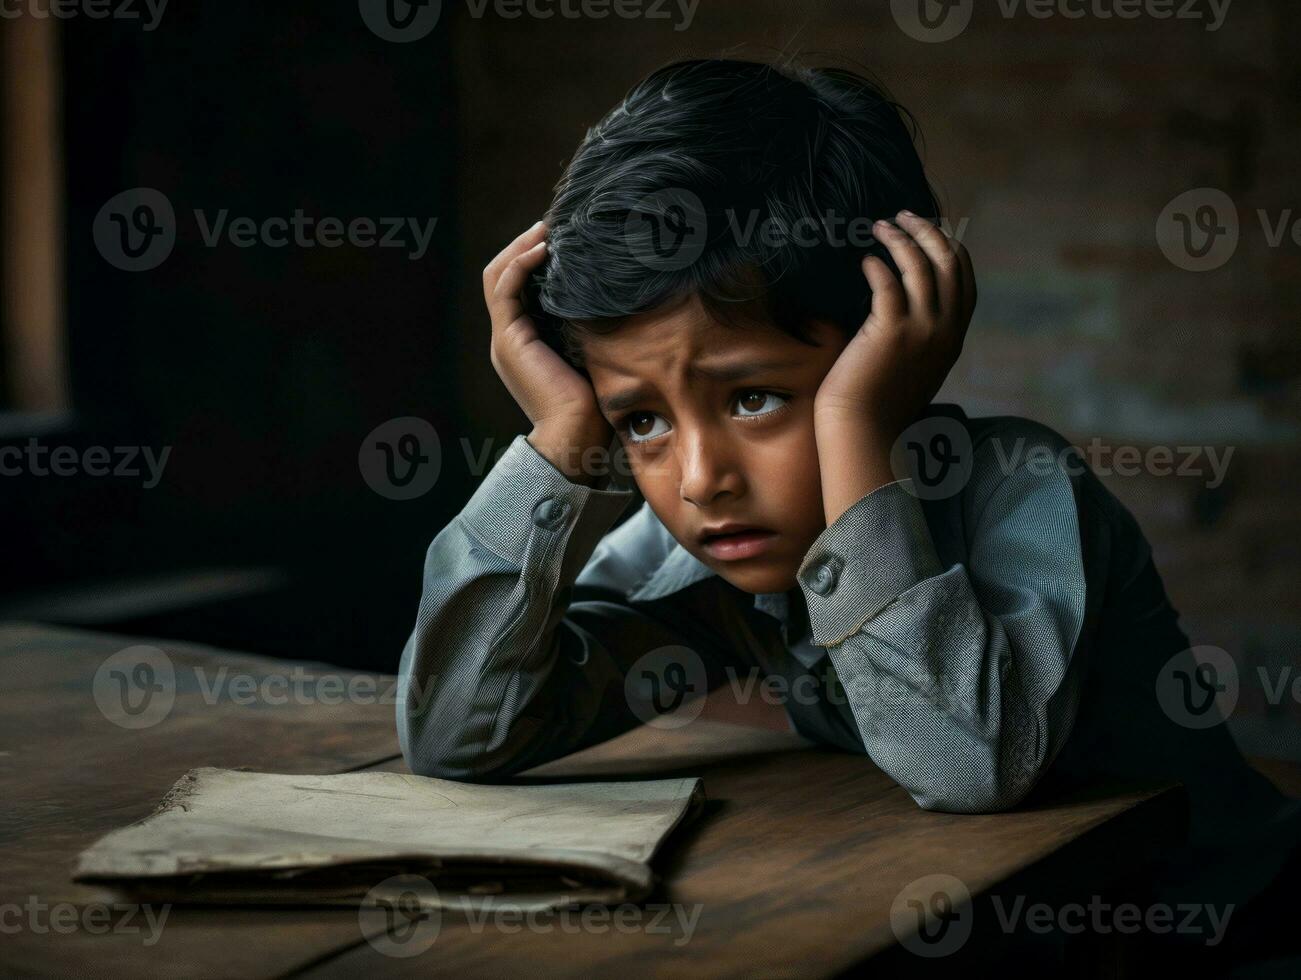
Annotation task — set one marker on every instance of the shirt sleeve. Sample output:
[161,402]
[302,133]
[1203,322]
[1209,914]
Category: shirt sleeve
[964,681]
[510,664]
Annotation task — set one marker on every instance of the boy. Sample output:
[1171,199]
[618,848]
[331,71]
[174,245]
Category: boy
[698,291]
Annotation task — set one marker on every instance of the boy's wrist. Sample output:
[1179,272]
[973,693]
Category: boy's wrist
[853,459]
[580,452]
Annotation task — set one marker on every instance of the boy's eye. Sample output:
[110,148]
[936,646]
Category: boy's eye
[644,426]
[752,403]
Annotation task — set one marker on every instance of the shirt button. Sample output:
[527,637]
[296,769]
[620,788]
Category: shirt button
[550,513]
[823,578]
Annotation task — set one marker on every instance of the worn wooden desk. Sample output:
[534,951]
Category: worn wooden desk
[795,864]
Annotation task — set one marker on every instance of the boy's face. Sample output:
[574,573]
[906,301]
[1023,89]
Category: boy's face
[718,426]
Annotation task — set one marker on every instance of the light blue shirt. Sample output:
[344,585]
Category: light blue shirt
[966,643]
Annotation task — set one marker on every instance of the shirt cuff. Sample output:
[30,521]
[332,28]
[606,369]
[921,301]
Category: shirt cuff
[525,493]
[873,553]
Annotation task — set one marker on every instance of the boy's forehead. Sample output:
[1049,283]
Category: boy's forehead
[681,334]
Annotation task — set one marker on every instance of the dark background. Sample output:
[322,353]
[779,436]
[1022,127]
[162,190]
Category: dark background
[263,367]
[1059,141]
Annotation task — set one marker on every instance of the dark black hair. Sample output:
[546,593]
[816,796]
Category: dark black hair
[701,151]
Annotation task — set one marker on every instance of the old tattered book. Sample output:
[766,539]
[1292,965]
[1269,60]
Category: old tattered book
[232,837]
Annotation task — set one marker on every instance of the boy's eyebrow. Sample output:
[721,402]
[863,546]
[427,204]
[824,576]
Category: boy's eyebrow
[736,371]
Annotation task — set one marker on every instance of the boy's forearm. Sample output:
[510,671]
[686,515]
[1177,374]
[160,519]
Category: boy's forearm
[963,675]
[581,454]
[853,461]
[487,624]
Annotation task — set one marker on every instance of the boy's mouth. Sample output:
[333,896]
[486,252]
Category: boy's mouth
[732,542]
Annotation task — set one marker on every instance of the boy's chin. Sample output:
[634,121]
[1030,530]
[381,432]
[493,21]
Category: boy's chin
[758,578]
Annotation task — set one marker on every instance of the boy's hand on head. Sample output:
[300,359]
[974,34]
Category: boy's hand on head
[558,400]
[895,364]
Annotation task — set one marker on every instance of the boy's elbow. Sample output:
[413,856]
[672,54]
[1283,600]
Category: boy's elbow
[438,768]
[429,756]
[457,766]
[986,793]
[444,758]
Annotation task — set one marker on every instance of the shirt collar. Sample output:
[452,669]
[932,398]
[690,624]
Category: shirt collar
[679,569]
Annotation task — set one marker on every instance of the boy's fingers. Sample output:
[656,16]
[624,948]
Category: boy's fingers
[522,243]
[918,279]
[516,273]
[968,281]
[888,299]
[937,247]
[504,305]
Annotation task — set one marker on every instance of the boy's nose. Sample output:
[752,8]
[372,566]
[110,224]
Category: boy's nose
[708,469]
